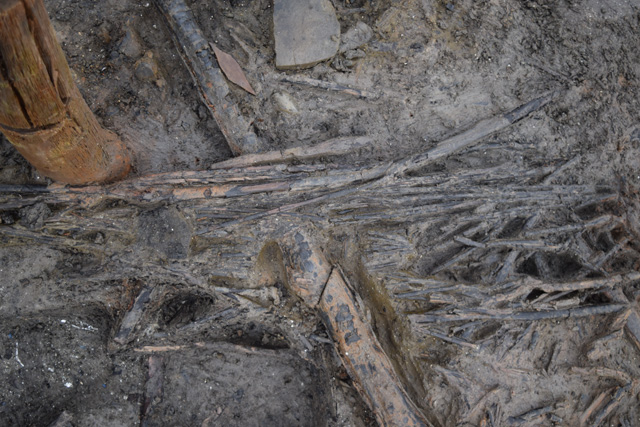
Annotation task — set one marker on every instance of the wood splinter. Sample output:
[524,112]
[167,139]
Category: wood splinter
[323,287]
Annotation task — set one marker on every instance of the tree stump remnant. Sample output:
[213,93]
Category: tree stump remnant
[42,112]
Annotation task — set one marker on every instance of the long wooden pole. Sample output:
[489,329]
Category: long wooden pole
[42,112]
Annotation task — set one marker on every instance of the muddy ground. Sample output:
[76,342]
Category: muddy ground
[162,311]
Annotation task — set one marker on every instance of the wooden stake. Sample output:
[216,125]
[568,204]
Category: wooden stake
[42,112]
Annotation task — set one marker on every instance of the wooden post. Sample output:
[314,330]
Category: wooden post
[42,112]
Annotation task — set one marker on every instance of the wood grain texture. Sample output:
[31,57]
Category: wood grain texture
[42,112]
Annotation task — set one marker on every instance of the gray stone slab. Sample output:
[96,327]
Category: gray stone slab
[306,32]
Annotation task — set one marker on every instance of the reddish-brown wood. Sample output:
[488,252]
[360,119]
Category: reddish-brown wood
[42,112]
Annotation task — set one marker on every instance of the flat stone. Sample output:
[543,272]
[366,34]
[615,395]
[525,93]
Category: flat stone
[306,32]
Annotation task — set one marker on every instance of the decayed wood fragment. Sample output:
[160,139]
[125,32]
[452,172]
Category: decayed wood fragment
[324,287]
[42,112]
[132,317]
[362,355]
[201,63]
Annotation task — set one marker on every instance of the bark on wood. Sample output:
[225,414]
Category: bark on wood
[42,112]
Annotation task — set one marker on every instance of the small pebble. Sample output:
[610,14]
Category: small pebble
[284,103]
[356,37]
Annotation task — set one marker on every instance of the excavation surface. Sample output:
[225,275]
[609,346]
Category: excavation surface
[500,278]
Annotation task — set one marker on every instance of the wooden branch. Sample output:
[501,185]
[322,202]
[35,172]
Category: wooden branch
[613,403]
[42,112]
[510,315]
[201,63]
[524,286]
[632,321]
[472,291]
[510,260]
[464,254]
[594,223]
[472,136]
[568,165]
[331,148]
[362,355]
[224,182]
[321,84]
[532,415]
[452,340]
[599,262]
[323,287]
[346,178]
[22,235]
[620,376]
[219,346]
[595,404]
